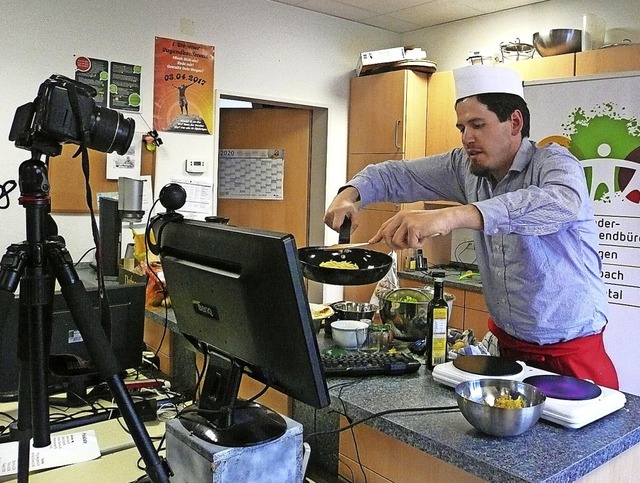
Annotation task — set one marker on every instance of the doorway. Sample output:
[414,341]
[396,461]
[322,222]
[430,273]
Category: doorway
[263,125]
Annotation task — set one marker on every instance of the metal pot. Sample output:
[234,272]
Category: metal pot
[408,318]
[372,265]
[354,310]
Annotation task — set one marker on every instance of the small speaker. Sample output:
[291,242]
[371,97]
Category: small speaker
[110,226]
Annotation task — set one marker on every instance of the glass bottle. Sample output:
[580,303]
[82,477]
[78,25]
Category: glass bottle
[437,321]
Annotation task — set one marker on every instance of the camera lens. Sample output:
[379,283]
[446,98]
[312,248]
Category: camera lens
[110,131]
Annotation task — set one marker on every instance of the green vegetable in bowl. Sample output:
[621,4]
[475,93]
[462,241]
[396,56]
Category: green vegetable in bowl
[408,298]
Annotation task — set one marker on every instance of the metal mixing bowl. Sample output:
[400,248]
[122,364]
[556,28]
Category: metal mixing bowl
[354,310]
[476,401]
[558,41]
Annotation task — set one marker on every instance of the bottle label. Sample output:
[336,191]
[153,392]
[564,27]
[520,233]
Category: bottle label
[439,337]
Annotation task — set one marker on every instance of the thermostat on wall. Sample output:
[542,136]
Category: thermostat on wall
[194,165]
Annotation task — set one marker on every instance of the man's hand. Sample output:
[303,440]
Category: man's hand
[344,205]
[410,228]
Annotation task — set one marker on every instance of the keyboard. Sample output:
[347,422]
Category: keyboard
[359,364]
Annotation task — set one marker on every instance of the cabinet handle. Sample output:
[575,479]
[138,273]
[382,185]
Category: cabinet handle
[396,134]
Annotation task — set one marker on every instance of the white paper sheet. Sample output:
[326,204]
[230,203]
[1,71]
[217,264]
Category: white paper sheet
[64,450]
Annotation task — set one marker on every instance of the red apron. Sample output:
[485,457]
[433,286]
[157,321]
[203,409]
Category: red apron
[584,357]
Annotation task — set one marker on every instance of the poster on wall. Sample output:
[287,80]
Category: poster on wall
[183,87]
[598,119]
[124,87]
[95,73]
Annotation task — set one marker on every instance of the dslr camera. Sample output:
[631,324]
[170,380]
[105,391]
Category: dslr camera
[60,113]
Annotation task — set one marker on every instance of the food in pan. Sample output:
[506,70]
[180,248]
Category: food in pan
[506,401]
[341,265]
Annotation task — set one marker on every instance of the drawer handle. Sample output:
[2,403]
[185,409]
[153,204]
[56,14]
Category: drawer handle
[396,135]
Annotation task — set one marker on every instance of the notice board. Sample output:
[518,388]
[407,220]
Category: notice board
[67,181]
[598,119]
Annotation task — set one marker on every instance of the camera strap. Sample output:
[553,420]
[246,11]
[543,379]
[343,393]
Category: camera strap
[83,151]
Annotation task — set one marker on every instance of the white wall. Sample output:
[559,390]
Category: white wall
[449,45]
[263,49]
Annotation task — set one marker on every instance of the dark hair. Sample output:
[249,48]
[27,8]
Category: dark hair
[503,106]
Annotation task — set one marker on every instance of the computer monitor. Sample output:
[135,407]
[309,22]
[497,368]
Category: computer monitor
[239,297]
[127,307]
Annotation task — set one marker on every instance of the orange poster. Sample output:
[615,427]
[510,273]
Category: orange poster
[183,87]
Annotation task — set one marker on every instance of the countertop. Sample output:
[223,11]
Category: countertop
[451,279]
[546,453]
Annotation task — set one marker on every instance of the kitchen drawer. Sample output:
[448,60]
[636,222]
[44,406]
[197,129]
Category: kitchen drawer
[475,300]
[279,402]
[476,320]
[385,458]
[459,295]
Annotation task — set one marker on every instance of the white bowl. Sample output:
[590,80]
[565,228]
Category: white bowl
[349,334]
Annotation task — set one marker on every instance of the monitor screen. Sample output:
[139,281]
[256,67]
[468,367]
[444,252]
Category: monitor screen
[238,295]
[127,307]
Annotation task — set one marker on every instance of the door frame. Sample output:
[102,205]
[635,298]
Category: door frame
[318,168]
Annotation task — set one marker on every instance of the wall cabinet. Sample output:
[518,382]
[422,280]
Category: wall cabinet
[387,113]
[387,120]
[612,59]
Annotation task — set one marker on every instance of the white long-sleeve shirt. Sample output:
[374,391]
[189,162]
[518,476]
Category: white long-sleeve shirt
[538,250]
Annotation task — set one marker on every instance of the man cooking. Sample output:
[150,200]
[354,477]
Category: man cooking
[535,234]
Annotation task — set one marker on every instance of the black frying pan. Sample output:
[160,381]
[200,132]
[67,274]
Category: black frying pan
[372,265]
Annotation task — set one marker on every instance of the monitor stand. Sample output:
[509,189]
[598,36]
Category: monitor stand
[222,418]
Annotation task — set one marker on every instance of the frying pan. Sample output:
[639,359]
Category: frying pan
[372,265]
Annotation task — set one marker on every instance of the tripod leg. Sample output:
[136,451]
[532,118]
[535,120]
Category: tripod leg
[33,334]
[98,346]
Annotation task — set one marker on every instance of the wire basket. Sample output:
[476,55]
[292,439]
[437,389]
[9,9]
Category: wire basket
[517,50]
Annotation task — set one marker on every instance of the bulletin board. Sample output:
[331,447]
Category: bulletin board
[68,194]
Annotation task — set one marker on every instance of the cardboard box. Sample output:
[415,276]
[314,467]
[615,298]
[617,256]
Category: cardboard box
[375,57]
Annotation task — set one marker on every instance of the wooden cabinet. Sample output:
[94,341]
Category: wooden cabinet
[387,113]
[387,121]
[612,59]
[367,454]
[442,134]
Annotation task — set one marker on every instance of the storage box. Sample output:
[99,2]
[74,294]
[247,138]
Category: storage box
[194,460]
[375,57]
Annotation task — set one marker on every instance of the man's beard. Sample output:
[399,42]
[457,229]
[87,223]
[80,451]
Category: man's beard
[479,171]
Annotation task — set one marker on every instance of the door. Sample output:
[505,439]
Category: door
[272,128]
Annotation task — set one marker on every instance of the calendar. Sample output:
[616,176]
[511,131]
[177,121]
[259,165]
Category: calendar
[255,174]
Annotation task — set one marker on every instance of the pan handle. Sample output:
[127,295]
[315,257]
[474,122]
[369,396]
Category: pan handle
[345,231]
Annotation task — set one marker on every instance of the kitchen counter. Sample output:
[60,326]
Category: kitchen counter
[546,453]
[451,279]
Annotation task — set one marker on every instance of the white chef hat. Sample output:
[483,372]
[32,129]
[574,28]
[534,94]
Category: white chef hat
[484,79]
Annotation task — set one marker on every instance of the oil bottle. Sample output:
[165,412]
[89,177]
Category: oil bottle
[437,317]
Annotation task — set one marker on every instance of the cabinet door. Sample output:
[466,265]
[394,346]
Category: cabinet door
[442,134]
[387,113]
[357,162]
[369,222]
[611,59]
[545,67]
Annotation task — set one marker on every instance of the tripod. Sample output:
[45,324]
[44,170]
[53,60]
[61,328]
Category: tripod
[35,264]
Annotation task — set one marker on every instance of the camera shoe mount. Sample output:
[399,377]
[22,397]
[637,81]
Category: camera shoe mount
[35,264]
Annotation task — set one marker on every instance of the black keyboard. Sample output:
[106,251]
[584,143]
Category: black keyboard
[369,364]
